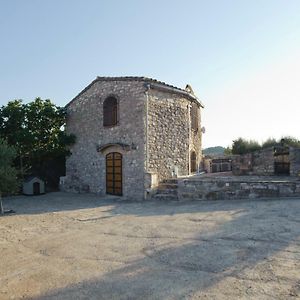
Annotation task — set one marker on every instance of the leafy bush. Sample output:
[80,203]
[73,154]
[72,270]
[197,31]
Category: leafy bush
[8,174]
[242,146]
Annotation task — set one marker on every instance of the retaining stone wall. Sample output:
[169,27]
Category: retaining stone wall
[263,162]
[219,190]
[257,163]
[295,161]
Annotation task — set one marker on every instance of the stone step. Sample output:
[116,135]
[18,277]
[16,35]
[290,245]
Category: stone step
[165,197]
[164,190]
[168,186]
[167,190]
[171,181]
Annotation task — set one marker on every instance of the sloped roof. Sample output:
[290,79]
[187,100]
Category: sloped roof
[30,178]
[154,83]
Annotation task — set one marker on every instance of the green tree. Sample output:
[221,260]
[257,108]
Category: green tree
[290,141]
[37,132]
[8,174]
[242,146]
[284,141]
[253,145]
[45,123]
[228,151]
[270,142]
[13,129]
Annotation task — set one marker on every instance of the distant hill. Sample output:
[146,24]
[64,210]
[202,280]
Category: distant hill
[214,151]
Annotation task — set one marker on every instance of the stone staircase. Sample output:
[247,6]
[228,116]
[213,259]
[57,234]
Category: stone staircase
[167,190]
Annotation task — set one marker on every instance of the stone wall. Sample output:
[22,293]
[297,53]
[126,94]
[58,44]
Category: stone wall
[154,135]
[196,136]
[216,165]
[86,166]
[294,161]
[219,189]
[170,137]
[257,163]
[263,162]
[242,164]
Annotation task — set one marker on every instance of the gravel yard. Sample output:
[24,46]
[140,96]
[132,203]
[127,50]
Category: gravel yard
[71,246]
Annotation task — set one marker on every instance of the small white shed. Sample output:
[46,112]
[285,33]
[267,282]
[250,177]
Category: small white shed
[33,185]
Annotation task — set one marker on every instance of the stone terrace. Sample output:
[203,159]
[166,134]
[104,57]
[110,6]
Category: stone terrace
[226,186]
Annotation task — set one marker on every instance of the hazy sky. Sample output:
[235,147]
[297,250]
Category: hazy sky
[241,57]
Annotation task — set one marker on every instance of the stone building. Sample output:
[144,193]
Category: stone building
[132,133]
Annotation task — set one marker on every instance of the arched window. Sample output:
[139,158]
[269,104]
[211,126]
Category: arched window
[193,162]
[110,112]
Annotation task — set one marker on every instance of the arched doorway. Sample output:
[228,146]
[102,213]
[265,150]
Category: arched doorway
[193,162]
[114,173]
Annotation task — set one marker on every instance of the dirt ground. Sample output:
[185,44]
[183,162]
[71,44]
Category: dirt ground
[68,246]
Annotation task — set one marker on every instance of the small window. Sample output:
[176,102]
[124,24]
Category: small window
[195,117]
[110,112]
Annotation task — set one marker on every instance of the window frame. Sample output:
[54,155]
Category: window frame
[110,112]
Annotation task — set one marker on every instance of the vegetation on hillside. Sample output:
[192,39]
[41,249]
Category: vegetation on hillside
[242,146]
[214,151]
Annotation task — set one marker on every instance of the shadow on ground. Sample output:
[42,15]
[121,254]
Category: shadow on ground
[255,254]
[55,202]
[61,202]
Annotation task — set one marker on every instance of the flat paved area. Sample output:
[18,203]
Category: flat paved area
[68,246]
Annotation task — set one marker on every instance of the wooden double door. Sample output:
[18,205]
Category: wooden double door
[114,173]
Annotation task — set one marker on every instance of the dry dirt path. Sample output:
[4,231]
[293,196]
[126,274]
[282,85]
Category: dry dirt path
[67,246]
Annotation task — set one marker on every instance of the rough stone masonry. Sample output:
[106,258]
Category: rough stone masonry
[157,131]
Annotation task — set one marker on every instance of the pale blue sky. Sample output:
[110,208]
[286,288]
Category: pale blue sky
[241,57]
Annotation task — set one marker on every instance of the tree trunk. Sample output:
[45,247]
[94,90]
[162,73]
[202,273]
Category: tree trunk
[1,206]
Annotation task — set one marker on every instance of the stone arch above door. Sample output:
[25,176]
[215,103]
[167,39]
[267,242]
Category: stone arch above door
[113,147]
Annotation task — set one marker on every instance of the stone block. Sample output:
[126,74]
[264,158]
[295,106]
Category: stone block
[286,190]
[212,196]
[244,193]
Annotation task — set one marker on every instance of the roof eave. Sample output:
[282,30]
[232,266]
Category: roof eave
[148,81]
[80,93]
[174,90]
